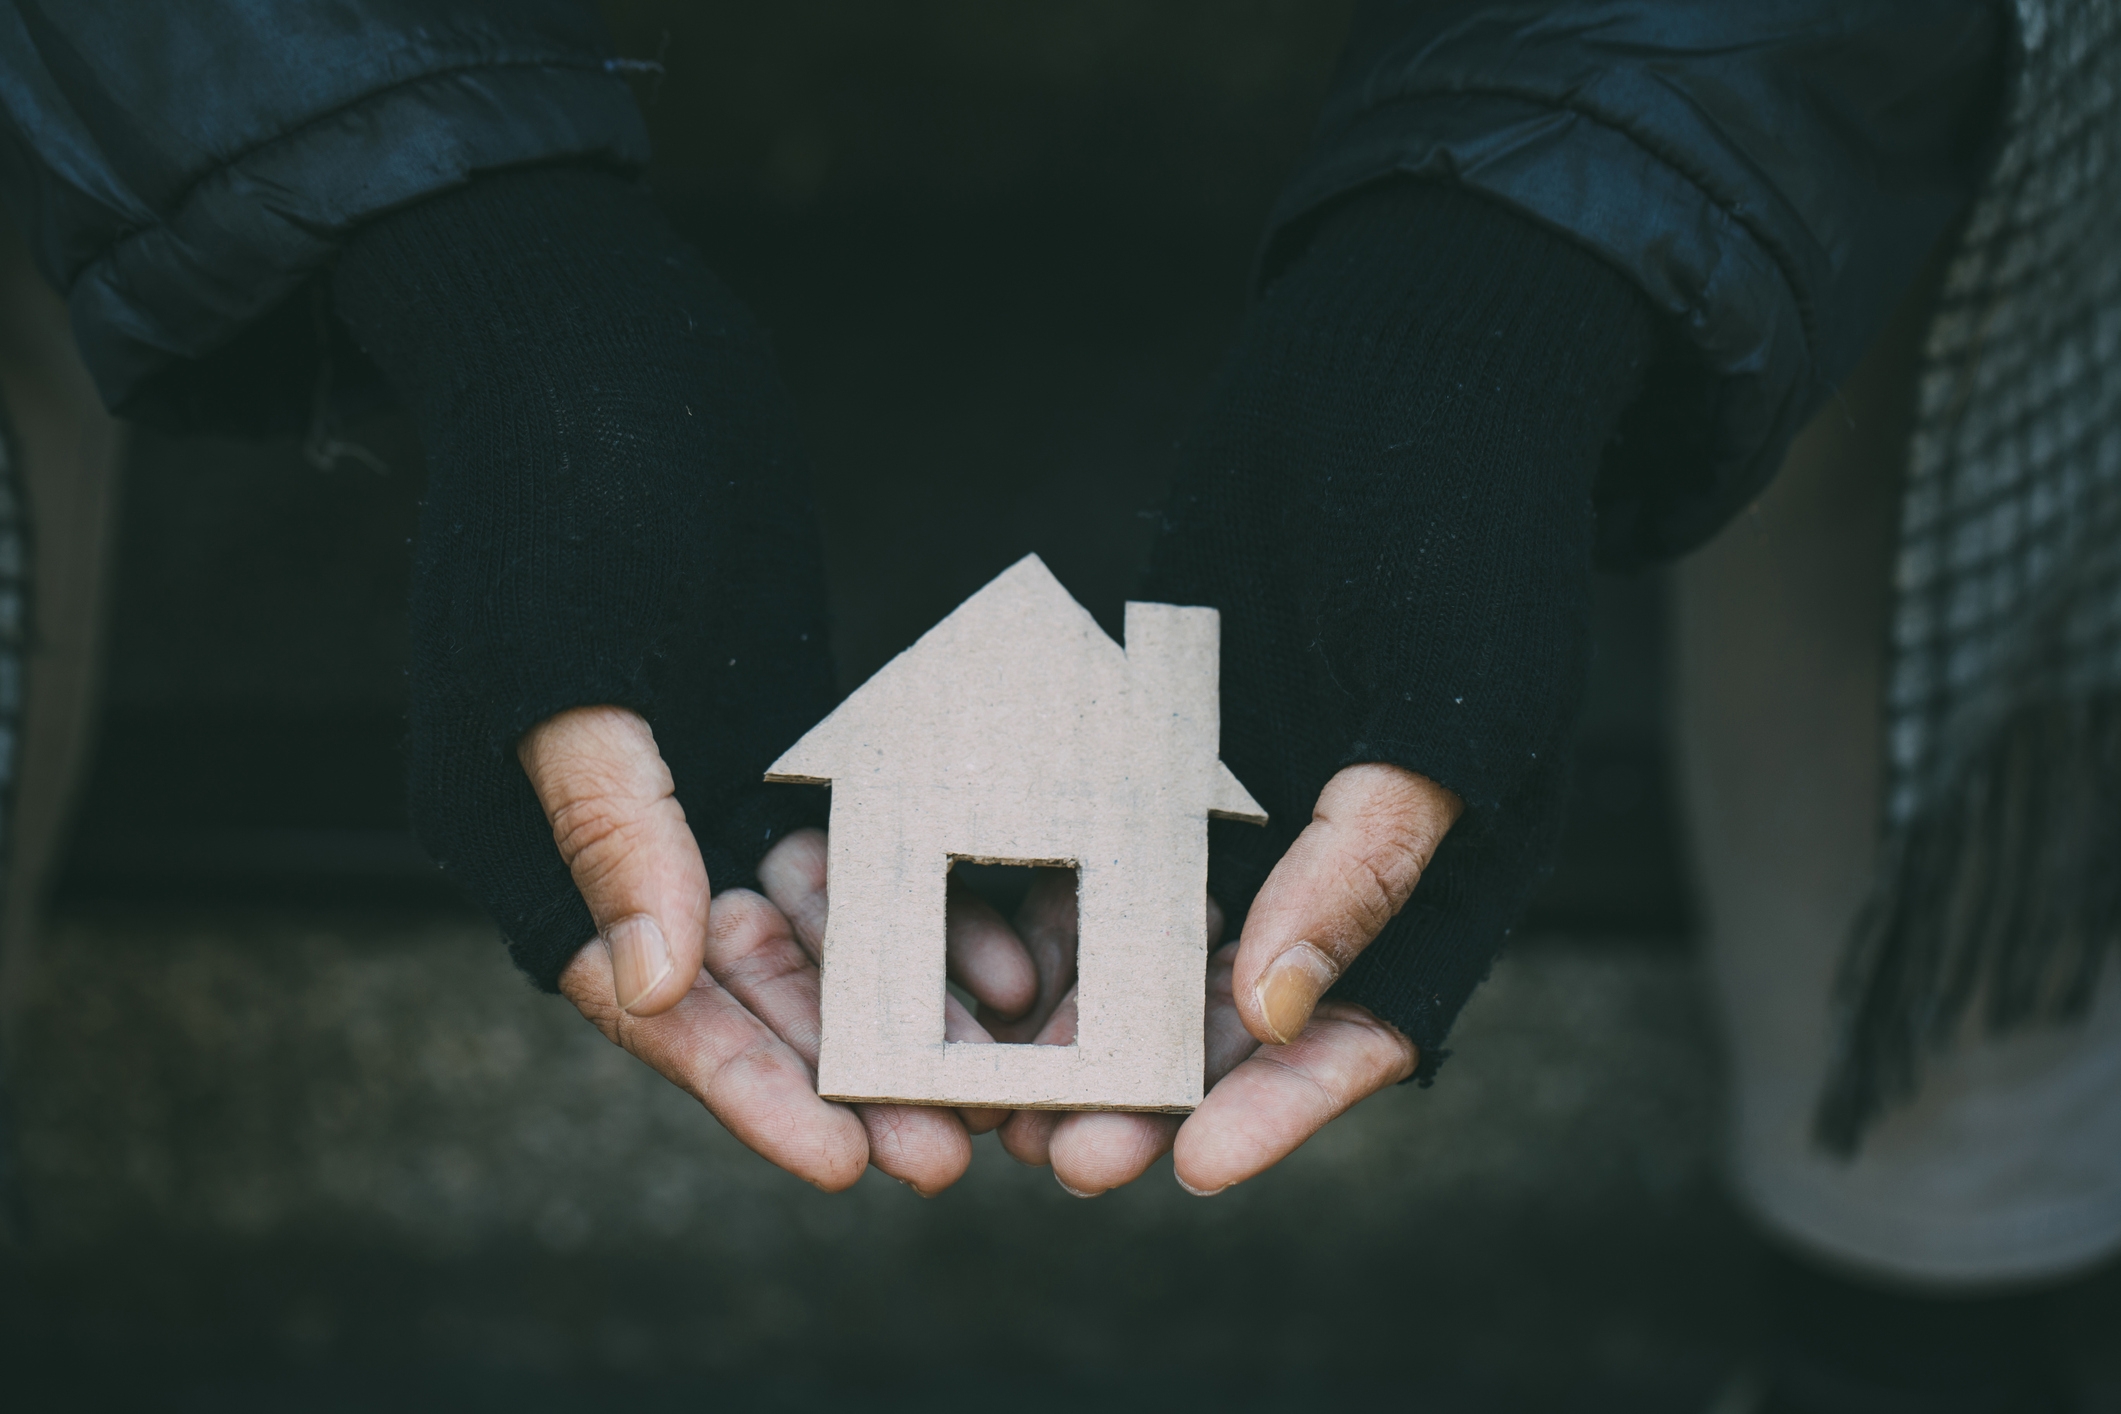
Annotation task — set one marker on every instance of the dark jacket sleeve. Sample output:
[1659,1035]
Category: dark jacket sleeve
[183,170]
[1771,174]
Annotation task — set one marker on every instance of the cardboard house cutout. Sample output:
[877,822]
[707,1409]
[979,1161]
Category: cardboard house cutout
[1016,732]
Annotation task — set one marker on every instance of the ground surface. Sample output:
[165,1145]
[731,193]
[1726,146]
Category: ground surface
[351,1158]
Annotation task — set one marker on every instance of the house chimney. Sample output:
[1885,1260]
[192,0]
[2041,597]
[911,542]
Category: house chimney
[1173,661]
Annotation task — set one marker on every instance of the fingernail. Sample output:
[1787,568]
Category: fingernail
[1291,988]
[1204,1192]
[640,958]
[1073,1192]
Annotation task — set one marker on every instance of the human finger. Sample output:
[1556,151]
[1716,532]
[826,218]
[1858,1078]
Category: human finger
[751,1080]
[752,951]
[1371,835]
[1028,1135]
[1227,1042]
[984,956]
[1092,1153]
[793,874]
[1095,1151]
[617,822]
[959,1025]
[1045,924]
[921,1146]
[1278,1097]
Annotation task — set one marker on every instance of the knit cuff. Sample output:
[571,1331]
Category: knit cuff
[1426,963]
[1390,501]
[615,515]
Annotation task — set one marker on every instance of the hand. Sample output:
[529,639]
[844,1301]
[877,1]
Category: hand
[1280,1065]
[719,992]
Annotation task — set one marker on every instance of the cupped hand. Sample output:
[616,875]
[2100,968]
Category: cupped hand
[1280,1065]
[719,992]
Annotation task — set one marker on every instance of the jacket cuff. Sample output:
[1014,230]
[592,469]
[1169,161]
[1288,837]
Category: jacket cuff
[1744,333]
[241,256]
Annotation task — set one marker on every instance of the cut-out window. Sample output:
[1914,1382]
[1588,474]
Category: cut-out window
[993,904]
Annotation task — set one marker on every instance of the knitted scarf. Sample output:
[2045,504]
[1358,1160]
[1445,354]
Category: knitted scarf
[1999,886]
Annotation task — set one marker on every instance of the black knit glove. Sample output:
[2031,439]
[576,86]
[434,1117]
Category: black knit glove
[1389,498]
[615,514]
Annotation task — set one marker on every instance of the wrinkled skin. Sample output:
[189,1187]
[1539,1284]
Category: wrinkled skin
[719,992]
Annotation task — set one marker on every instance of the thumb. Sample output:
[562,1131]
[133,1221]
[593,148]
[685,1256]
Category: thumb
[1372,833]
[616,819]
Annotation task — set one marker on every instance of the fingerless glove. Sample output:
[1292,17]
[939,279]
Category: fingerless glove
[1389,496]
[615,513]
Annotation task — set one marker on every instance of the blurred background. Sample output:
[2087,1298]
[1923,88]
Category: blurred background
[289,1132]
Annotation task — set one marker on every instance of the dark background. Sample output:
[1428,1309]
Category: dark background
[1000,251]
[294,1137]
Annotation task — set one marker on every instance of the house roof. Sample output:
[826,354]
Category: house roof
[1018,668]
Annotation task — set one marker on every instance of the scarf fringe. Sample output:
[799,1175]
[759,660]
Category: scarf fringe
[2007,892]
